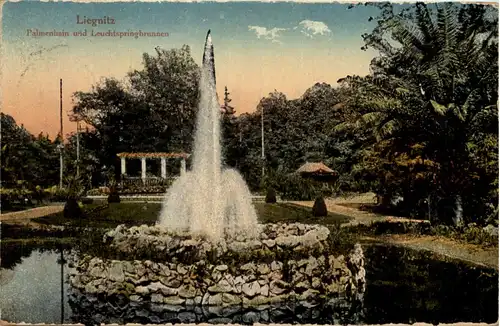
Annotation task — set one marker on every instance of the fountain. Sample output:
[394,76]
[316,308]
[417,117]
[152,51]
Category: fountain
[208,200]
[207,249]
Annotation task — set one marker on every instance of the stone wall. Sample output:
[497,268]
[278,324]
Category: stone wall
[257,276]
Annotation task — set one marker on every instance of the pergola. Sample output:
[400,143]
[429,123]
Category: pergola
[144,156]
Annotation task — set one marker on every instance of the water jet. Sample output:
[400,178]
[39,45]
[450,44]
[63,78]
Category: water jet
[209,200]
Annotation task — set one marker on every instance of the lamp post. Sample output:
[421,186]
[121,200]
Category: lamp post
[60,148]
[77,149]
[262,137]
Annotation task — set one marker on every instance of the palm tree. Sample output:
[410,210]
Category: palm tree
[432,88]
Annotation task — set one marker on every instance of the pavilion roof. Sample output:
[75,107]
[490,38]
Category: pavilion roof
[153,155]
[318,167]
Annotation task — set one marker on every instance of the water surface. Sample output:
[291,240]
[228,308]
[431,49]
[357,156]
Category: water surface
[403,286]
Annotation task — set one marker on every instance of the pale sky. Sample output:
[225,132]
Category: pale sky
[259,47]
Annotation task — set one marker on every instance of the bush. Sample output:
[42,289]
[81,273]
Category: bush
[72,209]
[271,196]
[113,197]
[319,208]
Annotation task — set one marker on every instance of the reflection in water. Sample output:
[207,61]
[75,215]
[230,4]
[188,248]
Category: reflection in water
[90,310]
[30,295]
[403,286]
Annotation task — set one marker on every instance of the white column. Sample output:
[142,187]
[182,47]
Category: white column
[143,169]
[124,166]
[183,166]
[163,168]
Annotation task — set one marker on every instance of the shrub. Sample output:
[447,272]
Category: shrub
[72,209]
[319,208]
[113,197]
[271,196]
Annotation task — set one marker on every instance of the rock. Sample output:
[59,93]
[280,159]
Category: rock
[251,289]
[174,301]
[164,270]
[316,283]
[216,276]
[334,262]
[276,266]
[263,269]
[250,317]
[215,300]
[116,273]
[288,241]
[302,262]
[231,299]
[135,298]
[159,287]
[275,276]
[170,282]
[278,287]
[308,294]
[97,271]
[221,268]
[302,286]
[181,270]
[222,287]
[90,288]
[264,290]
[270,243]
[205,298]
[312,266]
[187,317]
[248,267]
[142,290]
[156,298]
[139,270]
[173,308]
[334,288]
[187,291]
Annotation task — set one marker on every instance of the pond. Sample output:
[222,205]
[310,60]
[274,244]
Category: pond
[403,286]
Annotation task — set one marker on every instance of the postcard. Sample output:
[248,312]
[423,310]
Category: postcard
[249,163]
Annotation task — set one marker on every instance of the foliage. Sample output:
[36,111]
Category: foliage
[294,187]
[430,105]
[71,209]
[153,110]
[319,208]
[114,196]
[26,158]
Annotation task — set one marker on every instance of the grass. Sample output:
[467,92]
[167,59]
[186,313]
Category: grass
[273,213]
[109,216]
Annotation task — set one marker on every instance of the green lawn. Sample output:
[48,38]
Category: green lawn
[147,213]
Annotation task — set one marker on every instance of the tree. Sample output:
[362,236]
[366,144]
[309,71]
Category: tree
[25,158]
[230,135]
[152,110]
[432,88]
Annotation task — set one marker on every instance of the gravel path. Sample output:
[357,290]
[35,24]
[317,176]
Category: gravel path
[443,246]
[26,215]
[337,205]
[475,254]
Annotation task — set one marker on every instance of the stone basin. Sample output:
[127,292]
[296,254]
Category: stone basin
[282,262]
